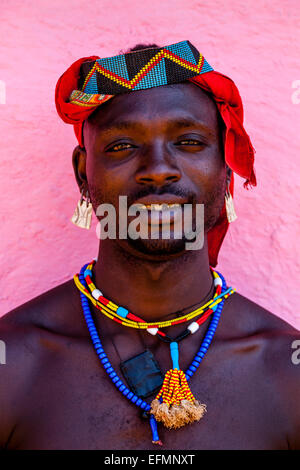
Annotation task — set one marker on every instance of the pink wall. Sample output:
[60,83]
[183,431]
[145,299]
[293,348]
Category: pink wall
[255,42]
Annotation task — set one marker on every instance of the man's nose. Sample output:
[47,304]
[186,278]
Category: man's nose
[158,167]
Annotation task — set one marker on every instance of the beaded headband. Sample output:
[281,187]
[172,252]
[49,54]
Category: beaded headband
[101,79]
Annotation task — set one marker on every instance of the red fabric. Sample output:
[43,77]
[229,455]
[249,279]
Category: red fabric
[239,153]
[71,113]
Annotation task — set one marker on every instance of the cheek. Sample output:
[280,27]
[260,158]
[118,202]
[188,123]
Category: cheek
[105,183]
[207,174]
[97,180]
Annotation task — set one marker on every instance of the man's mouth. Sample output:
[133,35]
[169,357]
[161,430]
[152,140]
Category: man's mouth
[160,203]
[160,214]
[162,210]
[157,207]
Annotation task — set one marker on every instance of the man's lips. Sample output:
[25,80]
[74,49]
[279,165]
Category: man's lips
[161,209]
[159,202]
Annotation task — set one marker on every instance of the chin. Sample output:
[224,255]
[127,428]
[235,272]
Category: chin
[157,248]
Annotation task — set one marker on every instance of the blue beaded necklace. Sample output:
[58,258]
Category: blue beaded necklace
[113,375]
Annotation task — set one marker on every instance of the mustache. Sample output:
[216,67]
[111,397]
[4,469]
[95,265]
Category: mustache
[155,191]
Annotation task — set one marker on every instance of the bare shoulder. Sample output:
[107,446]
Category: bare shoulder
[28,334]
[50,310]
[278,346]
[247,316]
[244,318]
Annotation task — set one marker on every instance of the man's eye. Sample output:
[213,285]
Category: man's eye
[189,142]
[118,147]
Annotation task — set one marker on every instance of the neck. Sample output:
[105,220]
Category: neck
[149,288]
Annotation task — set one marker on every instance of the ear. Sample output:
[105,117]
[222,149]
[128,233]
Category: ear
[79,166]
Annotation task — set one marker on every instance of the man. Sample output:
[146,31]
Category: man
[169,143]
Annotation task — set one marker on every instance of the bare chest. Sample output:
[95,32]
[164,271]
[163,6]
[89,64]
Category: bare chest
[74,405]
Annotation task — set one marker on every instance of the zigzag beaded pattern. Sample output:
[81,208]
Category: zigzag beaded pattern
[101,79]
[175,388]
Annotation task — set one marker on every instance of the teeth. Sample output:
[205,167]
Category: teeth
[161,207]
[157,207]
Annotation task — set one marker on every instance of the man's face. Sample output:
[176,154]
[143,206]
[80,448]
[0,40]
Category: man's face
[154,146]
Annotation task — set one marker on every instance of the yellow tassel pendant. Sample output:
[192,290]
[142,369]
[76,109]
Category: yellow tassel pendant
[175,405]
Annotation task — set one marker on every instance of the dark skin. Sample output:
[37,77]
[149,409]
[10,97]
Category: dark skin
[54,393]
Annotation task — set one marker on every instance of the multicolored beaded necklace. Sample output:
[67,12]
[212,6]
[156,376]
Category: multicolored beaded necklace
[124,317]
[175,404]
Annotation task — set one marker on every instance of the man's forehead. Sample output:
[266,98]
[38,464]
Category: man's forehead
[180,105]
[169,123]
